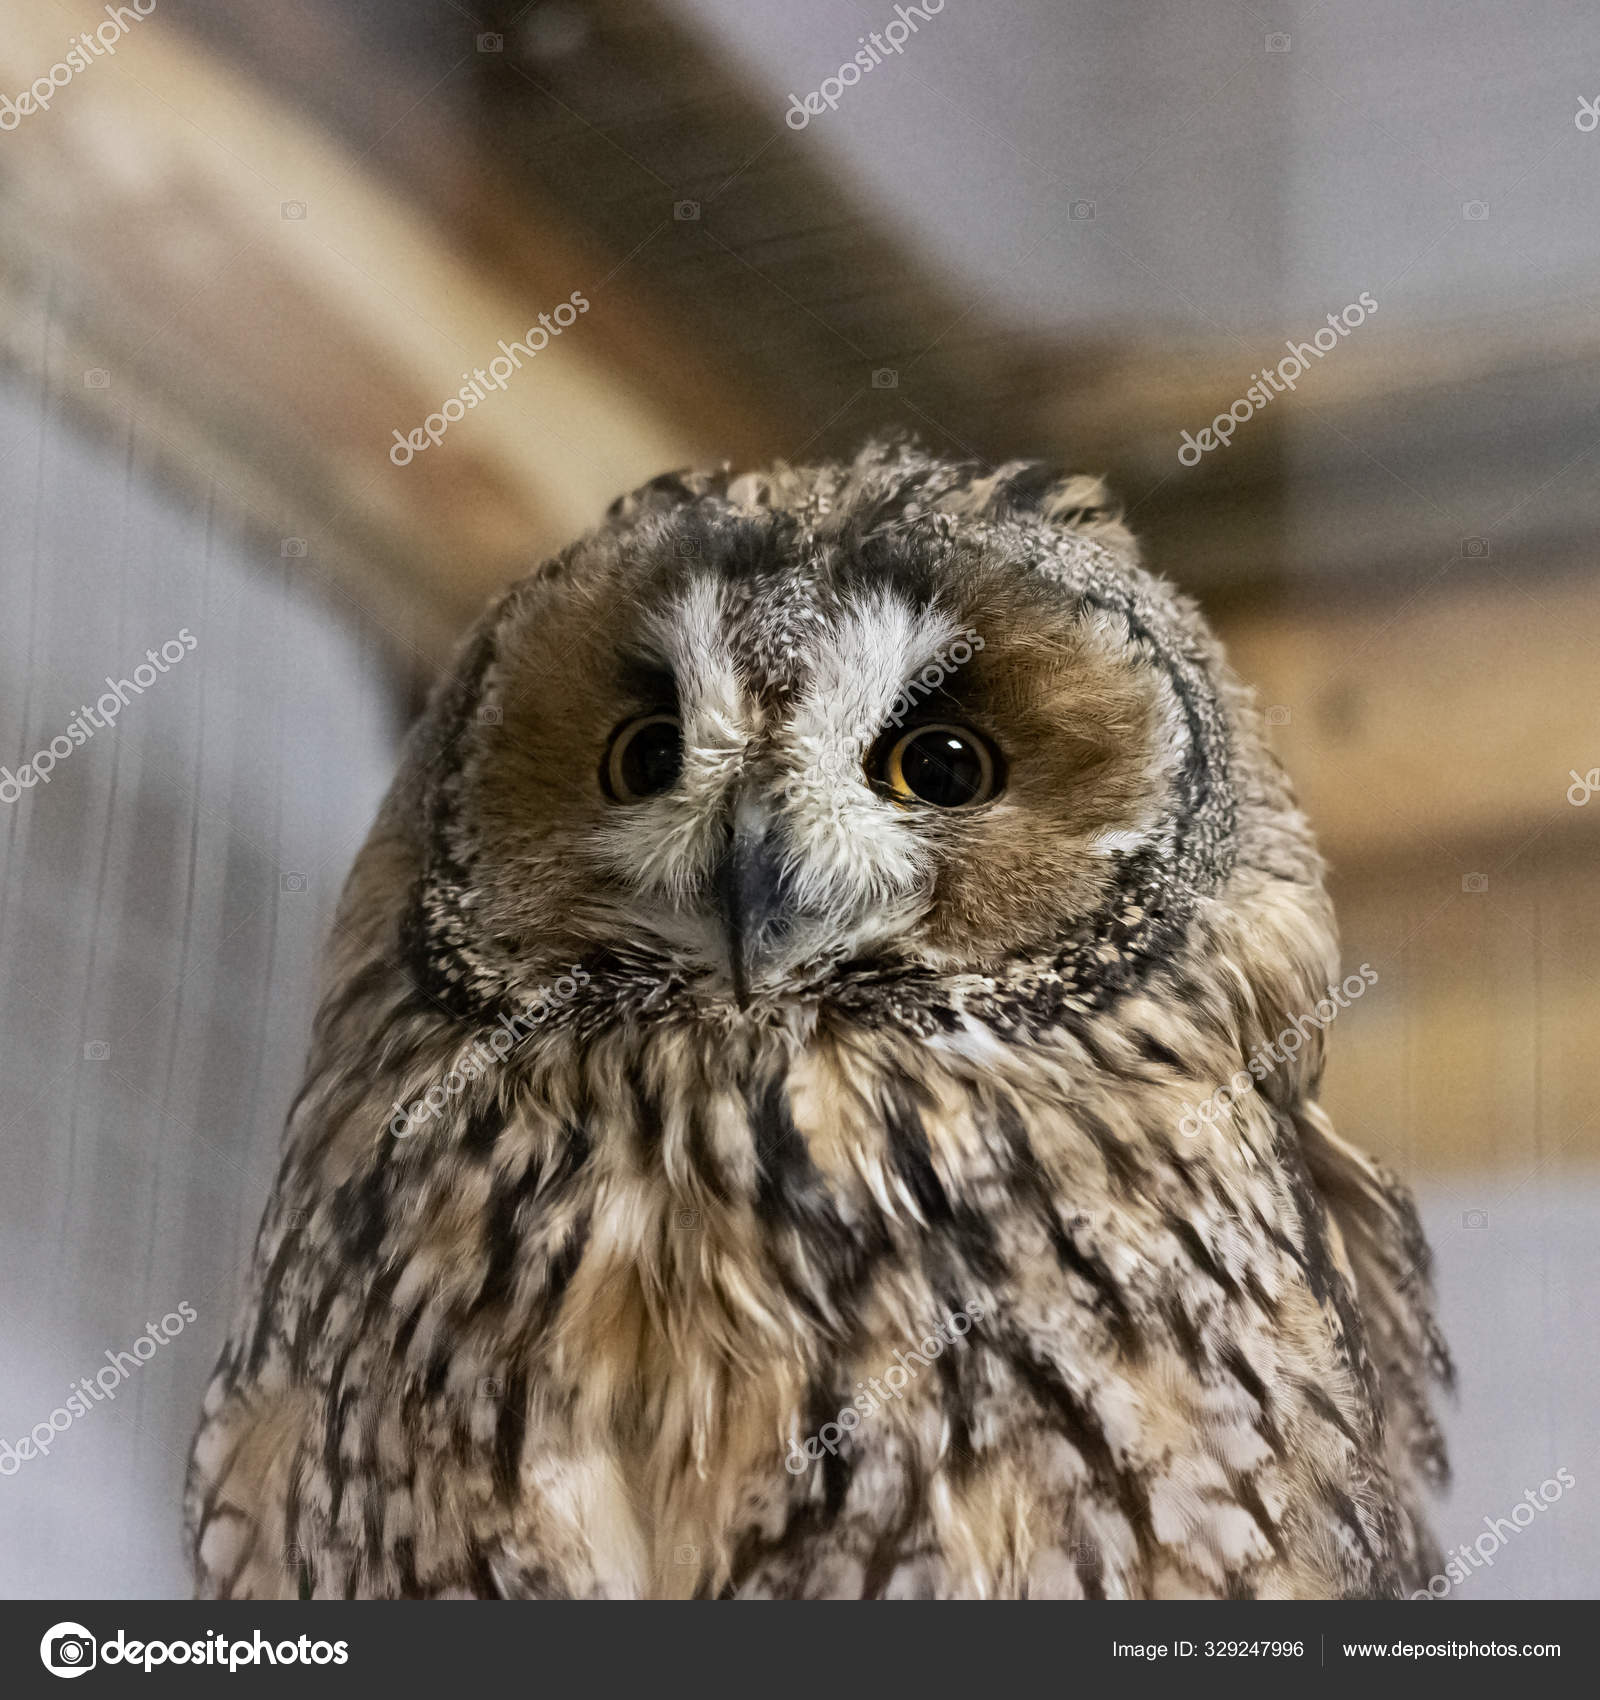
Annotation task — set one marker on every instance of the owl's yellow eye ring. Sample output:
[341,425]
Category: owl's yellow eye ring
[947,766]
[644,759]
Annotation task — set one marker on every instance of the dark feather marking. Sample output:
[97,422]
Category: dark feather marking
[786,1174]
[1239,1367]
[912,1159]
[485,1123]
[1089,1267]
[1188,1236]
[1078,1426]
[510,1430]
[404,1554]
[889,1552]
[481,1575]
[1153,1048]
[702,1161]
[1248,1495]
[1325,1408]
[1119,1157]
[267,1303]
[539,1180]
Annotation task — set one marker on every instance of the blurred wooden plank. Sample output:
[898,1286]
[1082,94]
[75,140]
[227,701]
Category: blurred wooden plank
[1474,1051]
[1432,744]
[155,208]
[1449,721]
[453,194]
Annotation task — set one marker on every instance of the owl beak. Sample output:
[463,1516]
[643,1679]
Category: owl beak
[750,898]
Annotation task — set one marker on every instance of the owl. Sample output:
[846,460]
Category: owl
[802,1105]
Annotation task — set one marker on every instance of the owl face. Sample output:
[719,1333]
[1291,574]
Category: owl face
[754,746]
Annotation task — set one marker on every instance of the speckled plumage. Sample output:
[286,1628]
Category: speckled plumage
[571,1336]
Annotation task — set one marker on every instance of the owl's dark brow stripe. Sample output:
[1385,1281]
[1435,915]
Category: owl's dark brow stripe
[649,683]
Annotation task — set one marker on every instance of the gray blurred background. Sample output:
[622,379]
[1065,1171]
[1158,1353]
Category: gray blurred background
[242,253]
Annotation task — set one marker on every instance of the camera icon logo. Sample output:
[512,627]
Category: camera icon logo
[489,1388]
[1278,715]
[491,43]
[292,882]
[1475,209]
[1277,42]
[686,212]
[96,1050]
[1474,1218]
[97,378]
[687,548]
[292,209]
[1081,209]
[1474,882]
[68,1649]
[886,378]
[490,714]
[1475,548]
[686,1555]
[293,548]
[688,1218]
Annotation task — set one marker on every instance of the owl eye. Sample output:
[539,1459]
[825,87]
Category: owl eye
[645,757]
[951,767]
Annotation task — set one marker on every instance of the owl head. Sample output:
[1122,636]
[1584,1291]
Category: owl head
[768,740]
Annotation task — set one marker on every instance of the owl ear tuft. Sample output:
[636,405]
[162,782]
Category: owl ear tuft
[1036,487]
[1074,501]
[671,490]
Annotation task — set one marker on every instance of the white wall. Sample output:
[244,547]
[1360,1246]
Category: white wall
[145,907]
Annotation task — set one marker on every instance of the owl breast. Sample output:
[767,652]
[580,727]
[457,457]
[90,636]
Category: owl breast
[953,1321]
